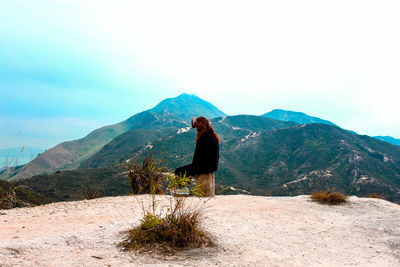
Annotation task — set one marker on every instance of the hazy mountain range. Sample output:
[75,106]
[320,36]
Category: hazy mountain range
[279,153]
[18,155]
[389,139]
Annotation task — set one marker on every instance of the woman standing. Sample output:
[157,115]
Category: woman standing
[206,156]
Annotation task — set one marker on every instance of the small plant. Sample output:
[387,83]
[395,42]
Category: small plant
[327,197]
[146,178]
[91,193]
[176,227]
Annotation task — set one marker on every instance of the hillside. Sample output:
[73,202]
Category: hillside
[131,141]
[249,231]
[295,160]
[258,154]
[70,185]
[69,155]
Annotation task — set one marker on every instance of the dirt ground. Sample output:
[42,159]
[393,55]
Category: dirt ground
[249,231]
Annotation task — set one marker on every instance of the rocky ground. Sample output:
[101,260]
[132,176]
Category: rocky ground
[249,230]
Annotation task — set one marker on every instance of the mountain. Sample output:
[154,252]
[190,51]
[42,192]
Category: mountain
[173,112]
[299,117]
[108,174]
[389,139]
[257,154]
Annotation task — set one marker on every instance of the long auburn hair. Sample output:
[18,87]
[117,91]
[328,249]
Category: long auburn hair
[203,125]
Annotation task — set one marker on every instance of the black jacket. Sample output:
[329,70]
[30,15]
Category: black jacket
[206,156]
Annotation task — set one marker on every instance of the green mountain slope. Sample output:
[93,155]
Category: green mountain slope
[133,143]
[300,160]
[259,155]
[296,160]
[71,184]
[69,155]
[129,142]
[299,117]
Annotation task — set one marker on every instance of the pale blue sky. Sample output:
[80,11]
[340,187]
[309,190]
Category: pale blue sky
[68,67]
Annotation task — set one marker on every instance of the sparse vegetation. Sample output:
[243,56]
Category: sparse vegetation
[327,197]
[8,198]
[12,196]
[71,185]
[167,229]
[146,178]
[92,193]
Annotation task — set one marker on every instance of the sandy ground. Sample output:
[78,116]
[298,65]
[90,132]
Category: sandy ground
[249,230]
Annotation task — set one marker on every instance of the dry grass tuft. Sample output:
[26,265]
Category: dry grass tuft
[91,193]
[327,197]
[374,195]
[169,234]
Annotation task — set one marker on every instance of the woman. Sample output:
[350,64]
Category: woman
[206,156]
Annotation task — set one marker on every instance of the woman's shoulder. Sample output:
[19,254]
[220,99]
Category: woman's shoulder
[207,136]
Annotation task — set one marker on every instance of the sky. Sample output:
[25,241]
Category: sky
[69,67]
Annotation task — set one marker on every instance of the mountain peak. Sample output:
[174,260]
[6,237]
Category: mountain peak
[186,95]
[188,105]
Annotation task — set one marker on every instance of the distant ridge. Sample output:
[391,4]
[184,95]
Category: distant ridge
[299,117]
[389,139]
[302,118]
[18,155]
